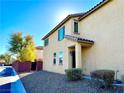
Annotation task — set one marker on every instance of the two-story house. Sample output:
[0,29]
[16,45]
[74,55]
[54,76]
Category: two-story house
[91,40]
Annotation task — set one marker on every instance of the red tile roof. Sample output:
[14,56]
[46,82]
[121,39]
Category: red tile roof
[79,39]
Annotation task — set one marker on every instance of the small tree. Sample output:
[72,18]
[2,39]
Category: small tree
[27,53]
[16,43]
[6,57]
[2,56]
[23,47]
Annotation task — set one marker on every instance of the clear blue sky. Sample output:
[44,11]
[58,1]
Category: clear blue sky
[36,17]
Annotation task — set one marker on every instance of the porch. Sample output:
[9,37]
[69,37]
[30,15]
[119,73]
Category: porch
[75,51]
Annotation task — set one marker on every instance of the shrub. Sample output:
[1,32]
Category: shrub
[106,75]
[74,74]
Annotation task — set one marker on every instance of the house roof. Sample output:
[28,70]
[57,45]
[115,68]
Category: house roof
[80,15]
[39,47]
[79,39]
[62,22]
[102,3]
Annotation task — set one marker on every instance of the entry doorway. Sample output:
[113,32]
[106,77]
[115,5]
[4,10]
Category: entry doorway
[73,60]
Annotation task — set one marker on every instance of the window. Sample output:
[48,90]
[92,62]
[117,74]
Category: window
[46,41]
[54,58]
[61,33]
[75,27]
[60,57]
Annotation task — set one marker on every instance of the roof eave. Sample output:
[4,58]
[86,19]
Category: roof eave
[62,22]
[66,19]
[74,38]
[80,15]
[98,6]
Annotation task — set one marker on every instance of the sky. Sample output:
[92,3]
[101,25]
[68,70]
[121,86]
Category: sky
[36,17]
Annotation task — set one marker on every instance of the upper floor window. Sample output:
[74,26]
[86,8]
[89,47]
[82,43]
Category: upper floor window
[46,41]
[60,57]
[61,33]
[54,58]
[76,27]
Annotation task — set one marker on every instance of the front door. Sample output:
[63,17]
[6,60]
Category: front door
[73,59]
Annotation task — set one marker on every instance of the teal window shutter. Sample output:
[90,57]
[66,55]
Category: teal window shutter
[46,41]
[76,27]
[61,33]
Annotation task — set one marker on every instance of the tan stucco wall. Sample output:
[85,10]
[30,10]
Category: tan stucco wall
[57,46]
[106,28]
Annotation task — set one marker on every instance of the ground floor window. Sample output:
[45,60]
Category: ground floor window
[54,58]
[60,57]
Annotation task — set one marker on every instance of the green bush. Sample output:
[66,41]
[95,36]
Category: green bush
[106,75]
[74,74]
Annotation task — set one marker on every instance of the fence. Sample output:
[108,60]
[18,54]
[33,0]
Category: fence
[39,65]
[26,66]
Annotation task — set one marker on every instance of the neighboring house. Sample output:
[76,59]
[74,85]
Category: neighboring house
[2,62]
[92,40]
[39,53]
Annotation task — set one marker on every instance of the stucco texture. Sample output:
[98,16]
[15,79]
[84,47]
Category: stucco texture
[105,26]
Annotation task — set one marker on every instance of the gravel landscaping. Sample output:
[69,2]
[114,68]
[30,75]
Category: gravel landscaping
[47,82]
